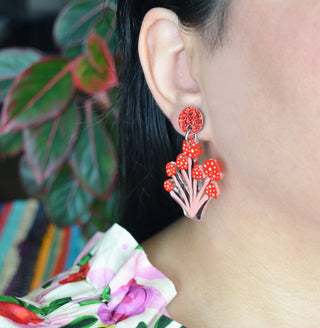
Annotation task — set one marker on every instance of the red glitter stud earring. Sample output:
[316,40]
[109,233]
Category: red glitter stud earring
[192,185]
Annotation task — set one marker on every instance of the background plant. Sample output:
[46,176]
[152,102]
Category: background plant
[59,112]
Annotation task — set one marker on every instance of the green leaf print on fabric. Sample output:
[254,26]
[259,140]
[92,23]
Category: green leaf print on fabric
[34,309]
[55,305]
[84,303]
[85,259]
[47,284]
[10,299]
[48,309]
[82,322]
[163,322]
[139,247]
[106,294]
[68,304]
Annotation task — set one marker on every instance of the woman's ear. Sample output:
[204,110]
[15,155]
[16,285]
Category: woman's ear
[166,55]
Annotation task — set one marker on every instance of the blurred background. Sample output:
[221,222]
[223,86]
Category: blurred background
[71,181]
[28,22]
[24,23]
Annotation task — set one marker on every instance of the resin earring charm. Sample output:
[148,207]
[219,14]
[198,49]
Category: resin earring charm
[192,185]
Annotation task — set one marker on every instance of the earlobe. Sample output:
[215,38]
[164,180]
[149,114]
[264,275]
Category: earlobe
[167,62]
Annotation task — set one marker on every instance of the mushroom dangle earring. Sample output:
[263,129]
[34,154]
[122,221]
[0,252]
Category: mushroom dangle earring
[192,185]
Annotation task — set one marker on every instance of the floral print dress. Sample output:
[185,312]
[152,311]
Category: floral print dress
[111,284]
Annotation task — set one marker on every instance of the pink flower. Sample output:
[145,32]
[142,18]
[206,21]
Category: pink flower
[129,300]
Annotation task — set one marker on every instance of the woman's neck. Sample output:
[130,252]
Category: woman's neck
[242,266]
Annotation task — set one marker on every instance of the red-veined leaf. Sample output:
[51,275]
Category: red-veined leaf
[96,71]
[76,20]
[66,200]
[73,52]
[37,95]
[11,143]
[106,212]
[31,186]
[93,159]
[110,121]
[48,145]
[106,28]
[102,214]
[14,61]
[99,54]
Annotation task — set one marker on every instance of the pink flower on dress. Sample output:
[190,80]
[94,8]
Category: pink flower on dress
[129,300]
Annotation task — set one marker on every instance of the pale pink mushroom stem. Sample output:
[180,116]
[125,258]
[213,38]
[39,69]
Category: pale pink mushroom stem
[195,190]
[204,199]
[186,180]
[201,192]
[190,166]
[177,183]
[177,199]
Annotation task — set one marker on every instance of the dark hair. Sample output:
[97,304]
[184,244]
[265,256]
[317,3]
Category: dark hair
[147,140]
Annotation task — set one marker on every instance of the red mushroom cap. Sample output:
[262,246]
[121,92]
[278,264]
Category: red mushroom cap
[192,150]
[211,169]
[211,190]
[171,169]
[168,185]
[182,163]
[197,173]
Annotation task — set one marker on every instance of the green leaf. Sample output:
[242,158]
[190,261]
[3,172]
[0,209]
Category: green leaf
[163,322]
[93,159]
[14,61]
[106,293]
[55,305]
[86,258]
[88,80]
[47,284]
[8,299]
[85,217]
[105,212]
[40,93]
[104,24]
[76,20]
[48,145]
[96,71]
[142,325]
[34,309]
[84,303]
[32,187]
[11,143]
[66,200]
[89,227]
[98,53]
[106,28]
[11,299]
[110,120]
[73,52]
[82,322]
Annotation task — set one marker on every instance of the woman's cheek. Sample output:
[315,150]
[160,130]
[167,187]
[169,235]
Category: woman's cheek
[280,42]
